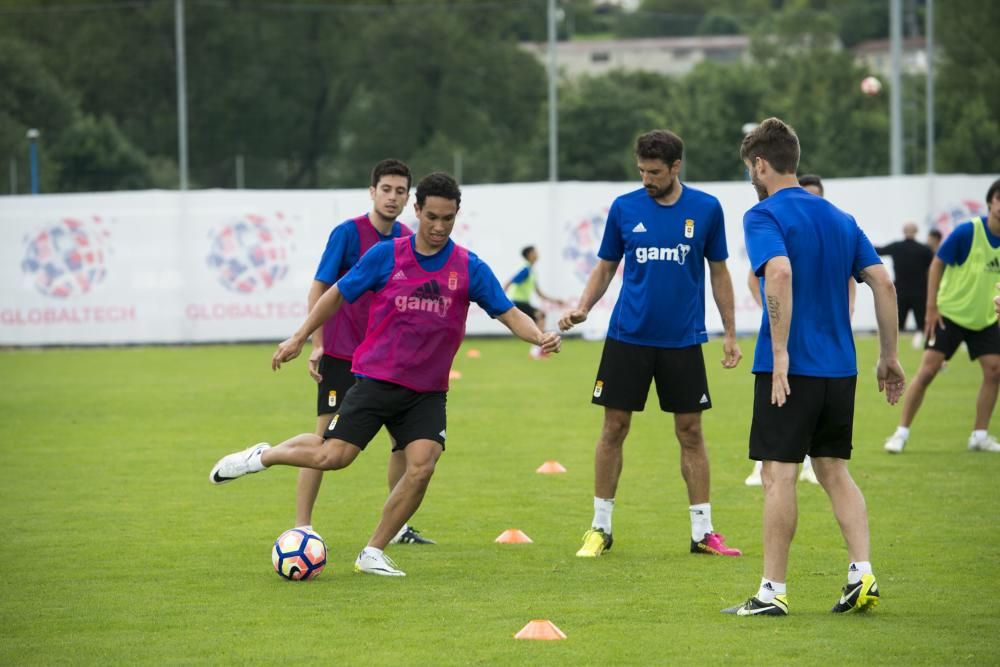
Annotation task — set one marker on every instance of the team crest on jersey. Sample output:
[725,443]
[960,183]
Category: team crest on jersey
[689,228]
[598,389]
[331,400]
[453,281]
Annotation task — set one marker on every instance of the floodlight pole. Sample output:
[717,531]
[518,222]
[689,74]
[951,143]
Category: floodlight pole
[895,90]
[182,121]
[553,111]
[930,86]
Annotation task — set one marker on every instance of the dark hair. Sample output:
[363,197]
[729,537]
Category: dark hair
[659,145]
[935,233]
[526,250]
[992,191]
[391,167]
[775,141]
[811,179]
[438,184]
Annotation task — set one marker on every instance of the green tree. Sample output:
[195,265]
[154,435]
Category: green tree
[30,97]
[92,154]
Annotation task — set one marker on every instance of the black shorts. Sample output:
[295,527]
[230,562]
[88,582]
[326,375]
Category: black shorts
[408,415]
[526,308]
[817,419]
[947,340]
[626,371]
[337,379]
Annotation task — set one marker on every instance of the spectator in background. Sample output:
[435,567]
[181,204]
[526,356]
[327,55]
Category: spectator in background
[934,240]
[910,261]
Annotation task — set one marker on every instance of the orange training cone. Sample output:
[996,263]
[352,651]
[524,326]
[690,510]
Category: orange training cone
[540,629]
[454,375]
[473,353]
[551,468]
[513,536]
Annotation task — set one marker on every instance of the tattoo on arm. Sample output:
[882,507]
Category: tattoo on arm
[774,309]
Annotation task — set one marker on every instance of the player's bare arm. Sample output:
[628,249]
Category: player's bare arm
[891,378]
[722,292]
[316,290]
[597,285]
[932,316]
[324,309]
[525,328]
[778,299]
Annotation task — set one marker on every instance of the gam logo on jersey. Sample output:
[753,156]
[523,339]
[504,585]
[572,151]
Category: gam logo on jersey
[66,259]
[652,254]
[251,253]
[426,298]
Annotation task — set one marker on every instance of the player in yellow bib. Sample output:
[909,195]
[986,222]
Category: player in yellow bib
[960,291]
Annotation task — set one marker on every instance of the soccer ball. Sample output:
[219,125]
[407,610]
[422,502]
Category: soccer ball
[871,86]
[299,554]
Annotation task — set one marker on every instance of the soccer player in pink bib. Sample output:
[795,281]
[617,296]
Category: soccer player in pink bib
[422,286]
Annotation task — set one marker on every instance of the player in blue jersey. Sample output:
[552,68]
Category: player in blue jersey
[804,249]
[334,343]
[665,231]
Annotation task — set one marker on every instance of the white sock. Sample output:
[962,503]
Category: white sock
[602,513]
[373,551]
[307,526]
[768,589]
[255,464]
[979,434]
[903,432]
[857,569]
[701,520]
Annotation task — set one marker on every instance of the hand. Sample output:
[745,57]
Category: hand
[287,350]
[314,358]
[732,352]
[551,342]
[890,379]
[572,317]
[779,379]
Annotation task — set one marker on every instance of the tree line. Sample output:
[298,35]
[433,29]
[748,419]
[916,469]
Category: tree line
[310,93]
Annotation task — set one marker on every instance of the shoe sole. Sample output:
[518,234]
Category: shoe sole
[358,569]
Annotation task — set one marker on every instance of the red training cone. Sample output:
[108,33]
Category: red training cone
[513,536]
[540,629]
[551,468]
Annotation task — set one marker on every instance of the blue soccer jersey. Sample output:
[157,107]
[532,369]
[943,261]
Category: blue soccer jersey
[826,248]
[375,268]
[662,300]
[343,249]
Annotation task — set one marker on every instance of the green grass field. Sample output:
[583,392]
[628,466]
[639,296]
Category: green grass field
[117,550]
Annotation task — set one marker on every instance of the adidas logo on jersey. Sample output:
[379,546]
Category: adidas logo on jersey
[399,275]
[993,266]
[677,254]
[426,298]
[639,228]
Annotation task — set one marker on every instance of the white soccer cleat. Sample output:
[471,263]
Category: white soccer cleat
[235,465]
[986,444]
[754,478]
[808,475]
[372,563]
[895,444]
